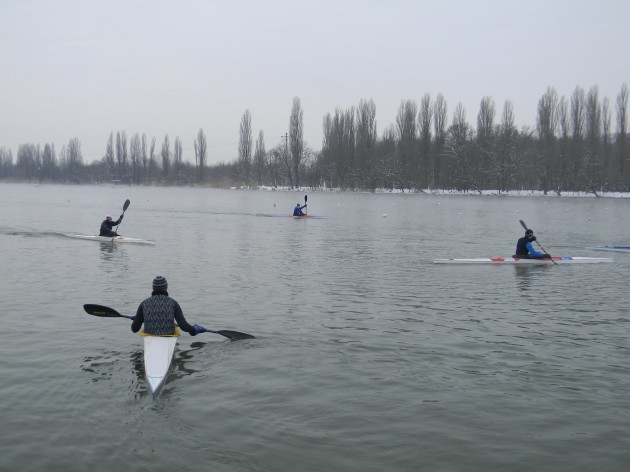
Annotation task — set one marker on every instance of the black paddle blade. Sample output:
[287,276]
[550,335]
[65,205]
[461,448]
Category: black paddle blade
[523,224]
[126,205]
[233,335]
[102,311]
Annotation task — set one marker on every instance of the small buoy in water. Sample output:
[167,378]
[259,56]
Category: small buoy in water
[384,215]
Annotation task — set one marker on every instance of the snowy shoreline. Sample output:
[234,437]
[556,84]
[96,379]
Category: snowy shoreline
[493,193]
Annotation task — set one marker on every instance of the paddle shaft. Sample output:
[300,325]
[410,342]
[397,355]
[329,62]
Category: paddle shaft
[107,312]
[540,245]
[305,199]
[125,206]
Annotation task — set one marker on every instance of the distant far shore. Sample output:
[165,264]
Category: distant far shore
[440,192]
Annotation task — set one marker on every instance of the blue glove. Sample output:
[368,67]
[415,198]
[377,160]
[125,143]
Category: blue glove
[133,318]
[199,329]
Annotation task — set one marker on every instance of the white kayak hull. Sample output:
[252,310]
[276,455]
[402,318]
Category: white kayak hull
[115,239]
[158,355]
[512,260]
[611,248]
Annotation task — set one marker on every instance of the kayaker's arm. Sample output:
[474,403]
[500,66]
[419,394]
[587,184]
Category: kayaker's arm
[532,251]
[181,321]
[138,319]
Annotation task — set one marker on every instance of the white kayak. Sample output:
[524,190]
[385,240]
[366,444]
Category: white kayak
[107,239]
[611,248]
[158,354]
[513,260]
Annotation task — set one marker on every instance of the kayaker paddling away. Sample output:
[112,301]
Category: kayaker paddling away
[159,313]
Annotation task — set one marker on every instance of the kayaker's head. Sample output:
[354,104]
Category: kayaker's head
[529,233]
[108,218]
[159,283]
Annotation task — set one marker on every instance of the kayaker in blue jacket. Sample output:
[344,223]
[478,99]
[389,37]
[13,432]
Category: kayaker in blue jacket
[524,248]
[108,224]
[297,211]
[159,313]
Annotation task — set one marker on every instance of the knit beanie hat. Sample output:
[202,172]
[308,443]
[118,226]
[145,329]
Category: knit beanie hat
[159,283]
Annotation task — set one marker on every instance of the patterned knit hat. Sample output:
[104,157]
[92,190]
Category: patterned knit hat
[159,283]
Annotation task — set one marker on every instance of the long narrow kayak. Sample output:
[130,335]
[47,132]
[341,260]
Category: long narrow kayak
[513,260]
[158,354]
[115,239]
[317,217]
[611,248]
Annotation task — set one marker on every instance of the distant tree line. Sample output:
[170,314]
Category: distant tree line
[572,147]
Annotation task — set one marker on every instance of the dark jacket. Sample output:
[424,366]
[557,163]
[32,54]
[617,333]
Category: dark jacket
[525,250]
[159,313]
[106,227]
[297,211]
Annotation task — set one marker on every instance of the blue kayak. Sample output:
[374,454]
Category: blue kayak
[611,248]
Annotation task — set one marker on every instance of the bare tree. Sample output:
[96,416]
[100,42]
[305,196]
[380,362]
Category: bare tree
[606,143]
[144,156]
[166,158]
[260,156]
[121,153]
[485,138]
[562,171]
[74,160]
[366,138]
[407,134]
[245,148]
[546,123]
[439,129]
[296,139]
[177,159]
[134,157]
[109,154]
[6,162]
[622,134]
[201,150]
[576,151]
[26,166]
[49,162]
[152,159]
[425,115]
[458,149]
[506,163]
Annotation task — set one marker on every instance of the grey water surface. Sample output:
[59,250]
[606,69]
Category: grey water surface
[367,357]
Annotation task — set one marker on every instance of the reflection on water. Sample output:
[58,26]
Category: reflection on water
[527,275]
[104,365]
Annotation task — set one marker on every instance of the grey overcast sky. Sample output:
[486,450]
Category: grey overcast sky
[86,68]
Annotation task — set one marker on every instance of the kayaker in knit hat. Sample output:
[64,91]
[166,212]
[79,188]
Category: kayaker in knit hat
[524,248]
[159,313]
[108,224]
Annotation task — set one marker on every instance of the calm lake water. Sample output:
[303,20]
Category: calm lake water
[368,356]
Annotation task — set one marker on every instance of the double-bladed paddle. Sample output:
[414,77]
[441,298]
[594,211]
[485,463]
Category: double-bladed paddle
[107,312]
[125,206]
[540,245]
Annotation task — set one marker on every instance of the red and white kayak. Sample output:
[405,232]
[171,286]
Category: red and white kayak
[307,216]
[516,260]
[115,239]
